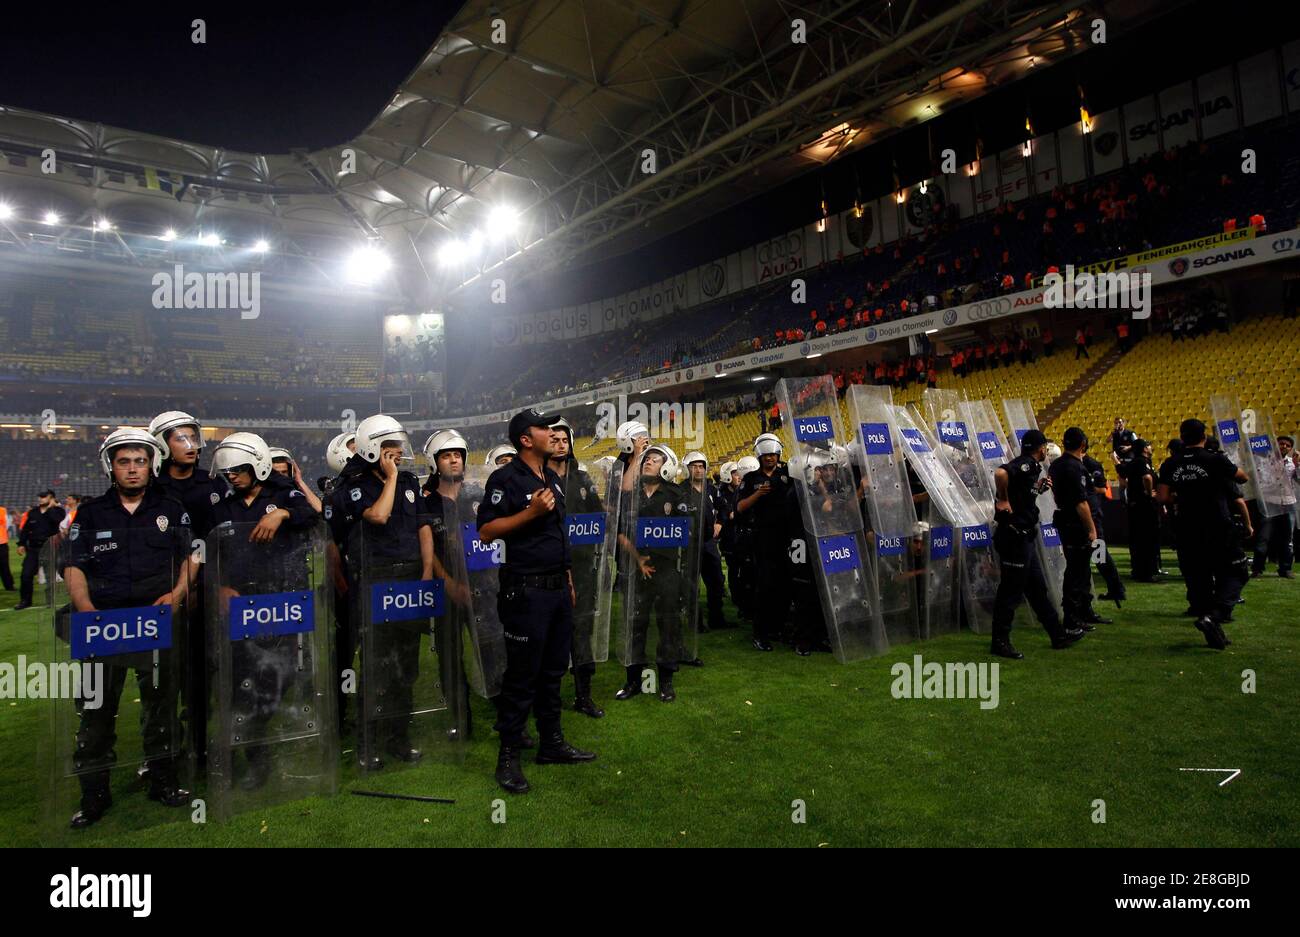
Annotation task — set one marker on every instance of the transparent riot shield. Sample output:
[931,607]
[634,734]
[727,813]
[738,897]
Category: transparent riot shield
[474,568]
[1020,417]
[114,652]
[1274,492]
[592,541]
[828,503]
[411,692]
[271,733]
[890,507]
[659,545]
[1226,412]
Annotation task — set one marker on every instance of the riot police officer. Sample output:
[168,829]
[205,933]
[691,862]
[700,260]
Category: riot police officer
[524,506]
[1018,484]
[1076,523]
[123,551]
[271,560]
[580,497]
[762,497]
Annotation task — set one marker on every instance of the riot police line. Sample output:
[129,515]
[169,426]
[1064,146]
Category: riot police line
[261,641]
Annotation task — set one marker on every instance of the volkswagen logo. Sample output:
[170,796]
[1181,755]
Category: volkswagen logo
[988,309]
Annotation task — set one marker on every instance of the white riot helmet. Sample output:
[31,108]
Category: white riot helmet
[374,431]
[278,452]
[337,454]
[131,437]
[667,471]
[442,441]
[767,444]
[747,464]
[243,449]
[696,456]
[629,431]
[164,423]
[497,452]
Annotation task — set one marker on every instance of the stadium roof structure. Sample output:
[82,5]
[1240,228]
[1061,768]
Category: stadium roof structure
[546,107]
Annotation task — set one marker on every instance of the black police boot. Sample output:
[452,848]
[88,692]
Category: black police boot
[633,685]
[164,788]
[1067,637]
[1213,632]
[583,702]
[556,751]
[509,775]
[666,692]
[94,804]
[1005,649]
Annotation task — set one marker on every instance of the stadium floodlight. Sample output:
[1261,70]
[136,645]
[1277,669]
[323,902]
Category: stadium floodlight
[6,212]
[168,235]
[451,252]
[503,222]
[367,264]
[261,247]
[51,217]
[210,240]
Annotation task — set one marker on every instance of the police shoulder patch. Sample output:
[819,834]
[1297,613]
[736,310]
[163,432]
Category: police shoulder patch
[496,495]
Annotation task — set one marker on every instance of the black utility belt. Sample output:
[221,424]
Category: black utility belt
[535,580]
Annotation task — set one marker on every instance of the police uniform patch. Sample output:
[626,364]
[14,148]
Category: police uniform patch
[410,495]
[356,494]
[497,495]
[74,531]
[161,521]
[214,497]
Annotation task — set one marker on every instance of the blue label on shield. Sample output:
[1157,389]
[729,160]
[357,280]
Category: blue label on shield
[110,631]
[406,600]
[586,529]
[1228,432]
[839,554]
[951,431]
[940,543]
[813,428]
[261,616]
[663,532]
[1260,445]
[915,441]
[990,448]
[889,546]
[1051,536]
[480,556]
[875,439]
[977,536]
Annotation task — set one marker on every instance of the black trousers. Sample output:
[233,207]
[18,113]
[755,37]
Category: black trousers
[711,573]
[1274,538]
[6,576]
[31,565]
[1144,539]
[538,625]
[1022,578]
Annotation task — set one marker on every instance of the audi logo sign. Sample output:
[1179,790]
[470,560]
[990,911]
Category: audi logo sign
[988,309]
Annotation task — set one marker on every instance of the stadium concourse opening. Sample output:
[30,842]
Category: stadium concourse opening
[654,424]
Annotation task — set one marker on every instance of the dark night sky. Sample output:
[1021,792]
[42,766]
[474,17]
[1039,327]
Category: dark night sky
[270,77]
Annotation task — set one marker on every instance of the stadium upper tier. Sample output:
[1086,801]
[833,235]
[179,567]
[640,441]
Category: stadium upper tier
[1167,198]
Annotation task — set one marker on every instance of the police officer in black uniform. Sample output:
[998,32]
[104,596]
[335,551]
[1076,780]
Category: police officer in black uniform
[1143,513]
[580,497]
[762,498]
[1018,484]
[1198,483]
[1075,521]
[271,516]
[126,549]
[42,524]
[1096,503]
[524,506]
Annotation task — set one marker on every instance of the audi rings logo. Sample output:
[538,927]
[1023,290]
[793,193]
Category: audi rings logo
[988,309]
[871,334]
[1178,266]
[788,246]
[950,317]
